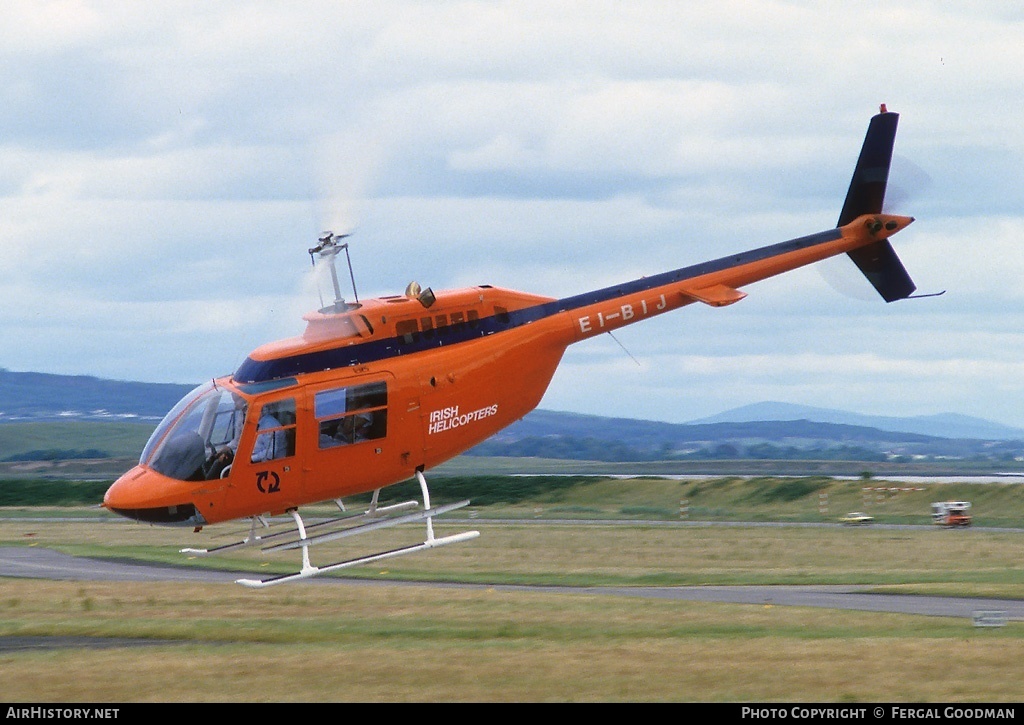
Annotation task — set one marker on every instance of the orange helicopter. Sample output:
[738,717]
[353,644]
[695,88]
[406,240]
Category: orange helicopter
[376,392]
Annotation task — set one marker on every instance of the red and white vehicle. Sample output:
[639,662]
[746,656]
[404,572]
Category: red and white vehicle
[951,513]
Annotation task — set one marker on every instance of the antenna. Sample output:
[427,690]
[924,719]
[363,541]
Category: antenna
[328,248]
[623,348]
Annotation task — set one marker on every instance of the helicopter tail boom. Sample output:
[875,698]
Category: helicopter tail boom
[717,283]
[862,232]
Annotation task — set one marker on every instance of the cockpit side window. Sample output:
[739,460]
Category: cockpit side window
[275,431]
[160,434]
[198,438]
[227,427]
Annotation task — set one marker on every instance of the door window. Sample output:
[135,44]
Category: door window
[352,414]
[275,432]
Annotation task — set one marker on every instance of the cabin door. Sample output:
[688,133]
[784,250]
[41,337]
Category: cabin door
[266,469]
[359,436]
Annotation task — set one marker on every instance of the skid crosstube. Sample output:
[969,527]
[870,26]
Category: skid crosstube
[365,528]
[254,540]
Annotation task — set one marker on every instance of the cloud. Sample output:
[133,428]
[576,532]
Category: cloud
[165,166]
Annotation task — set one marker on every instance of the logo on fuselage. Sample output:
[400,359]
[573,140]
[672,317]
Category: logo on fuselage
[273,486]
[447,418]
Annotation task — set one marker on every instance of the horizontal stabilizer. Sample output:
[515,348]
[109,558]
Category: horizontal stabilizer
[718,295]
[884,270]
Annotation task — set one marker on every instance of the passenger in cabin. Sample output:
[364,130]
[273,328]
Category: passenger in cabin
[329,434]
[272,444]
[350,429]
[361,423]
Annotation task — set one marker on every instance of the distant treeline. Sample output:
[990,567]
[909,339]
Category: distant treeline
[596,449]
[569,448]
[491,490]
[483,490]
[47,492]
[58,454]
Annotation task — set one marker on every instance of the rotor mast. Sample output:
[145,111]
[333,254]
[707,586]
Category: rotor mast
[327,249]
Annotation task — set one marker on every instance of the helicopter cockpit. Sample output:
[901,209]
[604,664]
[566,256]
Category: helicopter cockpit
[197,440]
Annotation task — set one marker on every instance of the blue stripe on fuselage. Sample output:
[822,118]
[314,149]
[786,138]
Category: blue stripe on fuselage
[254,371]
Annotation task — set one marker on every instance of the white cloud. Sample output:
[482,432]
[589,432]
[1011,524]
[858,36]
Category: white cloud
[41,26]
[171,161]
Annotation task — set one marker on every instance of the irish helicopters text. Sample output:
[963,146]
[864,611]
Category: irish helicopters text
[378,391]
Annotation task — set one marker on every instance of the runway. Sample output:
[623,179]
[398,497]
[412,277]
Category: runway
[42,563]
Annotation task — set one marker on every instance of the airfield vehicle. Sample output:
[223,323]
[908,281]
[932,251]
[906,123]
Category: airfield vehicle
[951,513]
[857,518]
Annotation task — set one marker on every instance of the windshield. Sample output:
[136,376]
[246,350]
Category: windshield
[197,440]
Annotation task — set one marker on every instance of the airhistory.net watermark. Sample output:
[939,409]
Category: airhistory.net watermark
[62,713]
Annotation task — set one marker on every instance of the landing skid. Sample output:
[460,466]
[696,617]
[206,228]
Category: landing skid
[304,541]
[309,571]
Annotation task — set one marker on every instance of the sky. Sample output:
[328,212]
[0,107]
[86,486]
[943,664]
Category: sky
[164,167]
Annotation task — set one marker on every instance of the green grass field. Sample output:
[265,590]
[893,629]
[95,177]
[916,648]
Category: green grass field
[727,498]
[381,639]
[390,643]
[115,439]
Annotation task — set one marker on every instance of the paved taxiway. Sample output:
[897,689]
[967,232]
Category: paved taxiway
[41,563]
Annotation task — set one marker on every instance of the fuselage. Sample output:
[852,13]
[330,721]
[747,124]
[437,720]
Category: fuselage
[373,392]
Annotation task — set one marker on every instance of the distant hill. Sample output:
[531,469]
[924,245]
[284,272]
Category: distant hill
[946,425]
[771,431]
[41,396]
[638,432]
[551,434]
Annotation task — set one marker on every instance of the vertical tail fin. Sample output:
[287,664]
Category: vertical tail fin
[867,188]
[877,261]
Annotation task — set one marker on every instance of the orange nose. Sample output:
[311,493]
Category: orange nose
[145,495]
